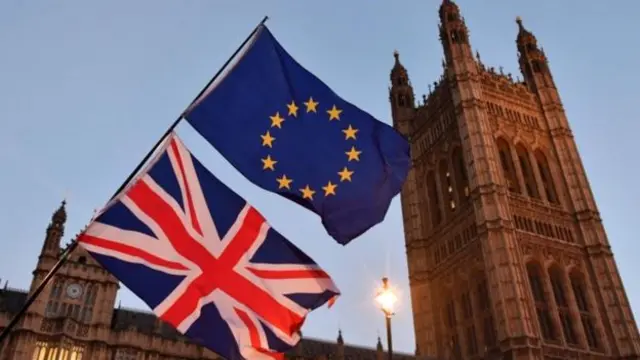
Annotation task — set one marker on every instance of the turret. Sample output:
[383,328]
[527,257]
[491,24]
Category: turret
[401,97]
[55,231]
[454,36]
[533,62]
[340,347]
[379,350]
[537,75]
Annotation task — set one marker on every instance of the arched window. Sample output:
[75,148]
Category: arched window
[508,168]
[52,305]
[402,100]
[460,172]
[451,322]
[451,318]
[469,323]
[484,306]
[537,66]
[42,350]
[545,175]
[527,172]
[434,202]
[455,38]
[587,319]
[541,303]
[555,275]
[57,289]
[89,300]
[446,184]
[46,351]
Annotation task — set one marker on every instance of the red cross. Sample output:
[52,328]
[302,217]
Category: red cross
[215,272]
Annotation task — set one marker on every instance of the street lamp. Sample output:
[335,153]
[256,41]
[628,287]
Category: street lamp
[386,299]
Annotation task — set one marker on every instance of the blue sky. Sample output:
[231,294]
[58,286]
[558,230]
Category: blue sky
[87,87]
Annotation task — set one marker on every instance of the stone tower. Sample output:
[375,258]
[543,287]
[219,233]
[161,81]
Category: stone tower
[507,254]
[78,303]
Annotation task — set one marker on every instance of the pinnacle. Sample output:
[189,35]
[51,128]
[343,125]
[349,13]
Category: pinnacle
[519,22]
[396,55]
[60,215]
[398,69]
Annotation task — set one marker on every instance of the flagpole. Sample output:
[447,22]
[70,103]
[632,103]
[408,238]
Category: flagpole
[74,243]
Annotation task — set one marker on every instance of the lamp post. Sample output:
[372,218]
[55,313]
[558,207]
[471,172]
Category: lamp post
[386,299]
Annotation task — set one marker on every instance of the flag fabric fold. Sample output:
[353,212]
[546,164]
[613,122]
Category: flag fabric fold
[289,133]
[205,261]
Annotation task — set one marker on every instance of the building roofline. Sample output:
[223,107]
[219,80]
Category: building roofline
[308,338]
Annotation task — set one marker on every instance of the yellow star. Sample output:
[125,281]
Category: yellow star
[353,154]
[350,133]
[267,139]
[284,182]
[276,120]
[293,109]
[268,163]
[311,105]
[334,113]
[330,189]
[345,174]
[307,193]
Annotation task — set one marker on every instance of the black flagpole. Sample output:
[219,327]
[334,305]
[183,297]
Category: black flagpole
[74,243]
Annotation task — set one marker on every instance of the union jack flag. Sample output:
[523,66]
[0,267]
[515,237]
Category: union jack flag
[206,261]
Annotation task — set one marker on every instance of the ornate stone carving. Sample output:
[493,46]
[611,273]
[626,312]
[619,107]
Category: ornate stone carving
[527,249]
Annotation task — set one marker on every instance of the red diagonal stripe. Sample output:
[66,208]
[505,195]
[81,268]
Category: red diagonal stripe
[187,191]
[289,274]
[187,302]
[130,250]
[254,336]
[172,226]
[258,300]
[215,273]
[247,235]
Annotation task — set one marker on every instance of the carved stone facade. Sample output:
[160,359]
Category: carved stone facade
[507,254]
[74,319]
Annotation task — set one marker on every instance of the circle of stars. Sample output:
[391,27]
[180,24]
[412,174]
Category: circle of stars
[269,140]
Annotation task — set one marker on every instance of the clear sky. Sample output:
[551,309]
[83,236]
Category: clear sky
[87,87]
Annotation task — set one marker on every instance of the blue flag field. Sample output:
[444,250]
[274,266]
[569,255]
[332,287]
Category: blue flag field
[289,133]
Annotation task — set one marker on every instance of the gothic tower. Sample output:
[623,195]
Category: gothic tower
[507,254]
[77,303]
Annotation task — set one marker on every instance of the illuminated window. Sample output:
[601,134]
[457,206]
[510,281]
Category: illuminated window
[75,353]
[40,351]
[46,351]
[446,185]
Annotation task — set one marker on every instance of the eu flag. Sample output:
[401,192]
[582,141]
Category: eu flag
[289,133]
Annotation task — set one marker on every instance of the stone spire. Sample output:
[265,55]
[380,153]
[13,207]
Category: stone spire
[55,231]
